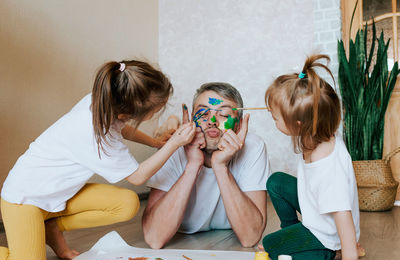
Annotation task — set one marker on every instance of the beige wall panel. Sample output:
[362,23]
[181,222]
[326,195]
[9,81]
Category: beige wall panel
[49,52]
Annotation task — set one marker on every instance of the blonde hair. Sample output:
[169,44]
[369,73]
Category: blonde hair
[308,99]
[130,87]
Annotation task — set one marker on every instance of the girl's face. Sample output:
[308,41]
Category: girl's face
[279,122]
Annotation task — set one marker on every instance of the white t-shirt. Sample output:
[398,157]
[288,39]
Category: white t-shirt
[62,159]
[326,186]
[205,210]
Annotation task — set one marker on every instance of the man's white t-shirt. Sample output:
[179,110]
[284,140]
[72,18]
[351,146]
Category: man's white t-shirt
[62,159]
[326,186]
[205,210]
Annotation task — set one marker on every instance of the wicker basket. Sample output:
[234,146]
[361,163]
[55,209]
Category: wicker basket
[376,186]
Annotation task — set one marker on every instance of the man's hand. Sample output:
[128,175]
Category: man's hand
[193,150]
[230,144]
[194,154]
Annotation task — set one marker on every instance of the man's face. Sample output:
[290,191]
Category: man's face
[214,114]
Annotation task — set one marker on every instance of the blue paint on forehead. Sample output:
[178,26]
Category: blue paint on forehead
[214,101]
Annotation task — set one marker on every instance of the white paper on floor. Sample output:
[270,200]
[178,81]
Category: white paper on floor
[113,247]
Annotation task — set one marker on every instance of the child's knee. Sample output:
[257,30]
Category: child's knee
[274,180]
[269,245]
[130,205]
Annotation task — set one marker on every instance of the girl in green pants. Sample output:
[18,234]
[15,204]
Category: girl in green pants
[306,107]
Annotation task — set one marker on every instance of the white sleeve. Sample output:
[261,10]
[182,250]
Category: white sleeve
[113,165]
[73,137]
[169,174]
[334,192]
[117,164]
[254,165]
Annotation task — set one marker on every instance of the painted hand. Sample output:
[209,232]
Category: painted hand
[185,114]
[230,144]
[193,150]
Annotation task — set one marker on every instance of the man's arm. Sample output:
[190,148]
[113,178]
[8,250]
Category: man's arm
[135,135]
[246,211]
[165,210]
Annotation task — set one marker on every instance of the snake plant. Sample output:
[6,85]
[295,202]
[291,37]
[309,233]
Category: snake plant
[365,87]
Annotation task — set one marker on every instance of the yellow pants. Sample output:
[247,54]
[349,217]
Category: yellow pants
[94,205]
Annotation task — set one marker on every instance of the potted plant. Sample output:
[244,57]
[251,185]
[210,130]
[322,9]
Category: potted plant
[366,85]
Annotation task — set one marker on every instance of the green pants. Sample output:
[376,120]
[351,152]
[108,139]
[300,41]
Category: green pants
[293,239]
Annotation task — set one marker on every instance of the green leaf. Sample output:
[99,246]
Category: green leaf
[365,90]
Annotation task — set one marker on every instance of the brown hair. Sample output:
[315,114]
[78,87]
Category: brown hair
[308,99]
[130,87]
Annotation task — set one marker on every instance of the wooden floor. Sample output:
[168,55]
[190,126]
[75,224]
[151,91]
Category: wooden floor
[380,235]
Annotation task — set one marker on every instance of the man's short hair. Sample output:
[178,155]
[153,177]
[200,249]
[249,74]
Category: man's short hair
[223,89]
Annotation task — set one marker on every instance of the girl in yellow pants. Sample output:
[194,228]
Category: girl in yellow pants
[94,205]
[46,193]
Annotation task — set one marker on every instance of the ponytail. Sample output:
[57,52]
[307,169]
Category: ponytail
[314,83]
[306,98]
[102,110]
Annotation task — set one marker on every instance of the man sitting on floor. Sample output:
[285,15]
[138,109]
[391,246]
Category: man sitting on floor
[215,182]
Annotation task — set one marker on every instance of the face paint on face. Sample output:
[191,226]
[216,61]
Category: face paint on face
[230,123]
[214,101]
[198,115]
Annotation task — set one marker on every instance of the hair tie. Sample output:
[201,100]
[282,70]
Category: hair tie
[302,75]
[121,66]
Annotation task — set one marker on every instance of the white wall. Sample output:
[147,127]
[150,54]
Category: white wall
[245,43]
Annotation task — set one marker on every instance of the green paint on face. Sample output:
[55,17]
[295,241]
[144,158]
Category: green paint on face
[214,101]
[231,122]
[213,119]
[234,109]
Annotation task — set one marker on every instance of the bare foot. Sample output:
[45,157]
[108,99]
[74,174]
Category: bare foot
[338,255]
[360,250]
[55,239]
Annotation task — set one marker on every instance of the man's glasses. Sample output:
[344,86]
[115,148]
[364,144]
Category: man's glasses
[206,114]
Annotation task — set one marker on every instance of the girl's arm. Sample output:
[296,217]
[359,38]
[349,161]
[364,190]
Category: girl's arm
[129,133]
[347,233]
[183,135]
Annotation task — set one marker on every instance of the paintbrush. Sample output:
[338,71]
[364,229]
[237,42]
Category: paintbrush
[250,108]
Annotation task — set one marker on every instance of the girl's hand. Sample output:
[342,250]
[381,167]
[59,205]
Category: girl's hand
[184,134]
[230,144]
